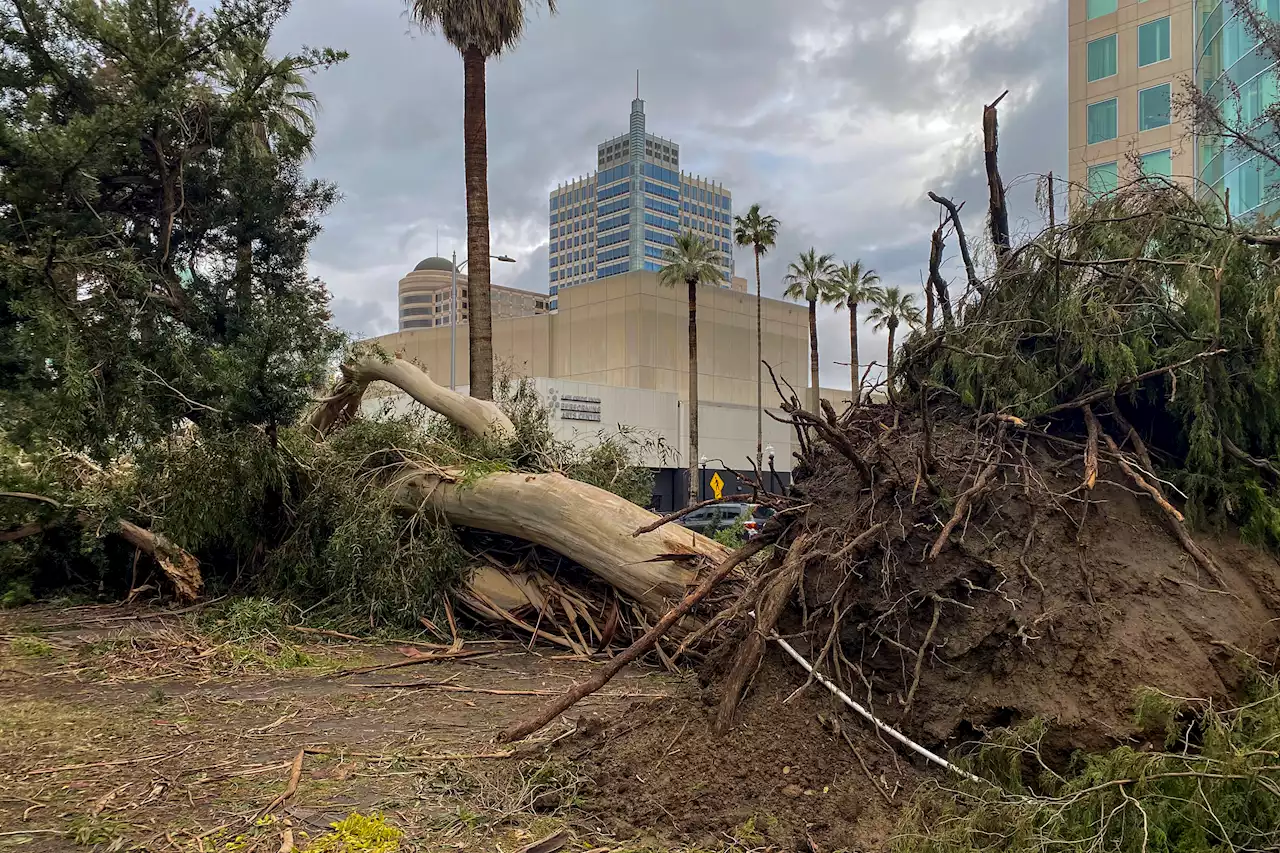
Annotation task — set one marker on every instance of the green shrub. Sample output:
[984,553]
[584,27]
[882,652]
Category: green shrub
[1217,789]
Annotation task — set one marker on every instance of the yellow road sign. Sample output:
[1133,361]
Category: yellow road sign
[717,485]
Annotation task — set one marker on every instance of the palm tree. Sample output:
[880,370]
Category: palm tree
[854,285]
[691,261]
[275,114]
[892,307]
[760,232]
[479,29]
[273,97]
[810,278]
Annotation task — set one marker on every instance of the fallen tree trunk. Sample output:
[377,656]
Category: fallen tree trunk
[180,567]
[588,525]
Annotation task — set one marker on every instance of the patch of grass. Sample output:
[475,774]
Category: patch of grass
[245,619]
[96,830]
[31,647]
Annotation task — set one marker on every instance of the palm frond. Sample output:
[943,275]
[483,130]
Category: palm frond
[756,229]
[491,26]
[691,259]
[810,276]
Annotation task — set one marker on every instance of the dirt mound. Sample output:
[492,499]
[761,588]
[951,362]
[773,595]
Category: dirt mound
[1047,600]
[785,776]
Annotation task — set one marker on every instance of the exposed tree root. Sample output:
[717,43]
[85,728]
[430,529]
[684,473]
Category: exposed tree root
[527,727]
[773,599]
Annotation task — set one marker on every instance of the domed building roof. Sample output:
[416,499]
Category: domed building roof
[441,264]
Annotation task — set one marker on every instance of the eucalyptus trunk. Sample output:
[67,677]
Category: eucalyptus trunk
[759,372]
[694,482]
[815,392]
[855,368]
[476,155]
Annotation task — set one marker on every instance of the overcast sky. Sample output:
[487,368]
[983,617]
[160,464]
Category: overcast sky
[836,115]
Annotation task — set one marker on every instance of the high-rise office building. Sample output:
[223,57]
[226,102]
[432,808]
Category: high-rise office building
[1128,63]
[625,215]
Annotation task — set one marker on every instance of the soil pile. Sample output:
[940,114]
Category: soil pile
[1048,599]
[794,773]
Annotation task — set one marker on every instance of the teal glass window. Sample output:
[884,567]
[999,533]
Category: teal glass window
[1153,107]
[1102,121]
[1098,8]
[1158,163]
[1153,42]
[1103,178]
[1102,58]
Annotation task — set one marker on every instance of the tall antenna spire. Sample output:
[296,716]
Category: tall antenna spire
[637,84]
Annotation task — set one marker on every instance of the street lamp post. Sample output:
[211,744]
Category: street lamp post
[773,475]
[453,314]
[702,483]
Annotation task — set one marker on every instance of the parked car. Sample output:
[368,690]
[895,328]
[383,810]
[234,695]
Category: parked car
[712,519]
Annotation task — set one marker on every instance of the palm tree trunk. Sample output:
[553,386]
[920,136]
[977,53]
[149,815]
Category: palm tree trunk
[893,328]
[815,393]
[888,370]
[854,367]
[694,484]
[476,156]
[759,374]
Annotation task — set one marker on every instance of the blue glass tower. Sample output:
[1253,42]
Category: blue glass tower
[1238,73]
[623,216]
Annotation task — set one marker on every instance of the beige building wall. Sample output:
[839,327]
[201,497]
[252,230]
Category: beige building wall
[630,331]
[1125,85]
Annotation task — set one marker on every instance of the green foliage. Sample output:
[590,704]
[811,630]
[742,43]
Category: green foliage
[357,833]
[691,260]
[30,647]
[1218,788]
[319,524]
[812,277]
[1142,281]
[155,224]
[732,536]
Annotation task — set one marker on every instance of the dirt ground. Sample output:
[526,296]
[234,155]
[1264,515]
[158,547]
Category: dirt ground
[123,730]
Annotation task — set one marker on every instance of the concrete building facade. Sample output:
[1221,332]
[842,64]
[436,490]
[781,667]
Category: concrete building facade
[625,215]
[631,331]
[616,355]
[426,297]
[1128,64]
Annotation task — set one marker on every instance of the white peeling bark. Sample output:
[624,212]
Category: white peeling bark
[480,417]
[586,524]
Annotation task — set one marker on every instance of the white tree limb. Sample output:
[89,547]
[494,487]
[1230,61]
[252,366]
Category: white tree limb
[480,417]
[584,523]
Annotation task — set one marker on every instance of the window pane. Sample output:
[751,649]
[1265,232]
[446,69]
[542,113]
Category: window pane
[1102,121]
[1098,8]
[1153,107]
[1158,163]
[1153,42]
[1103,178]
[1102,58]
